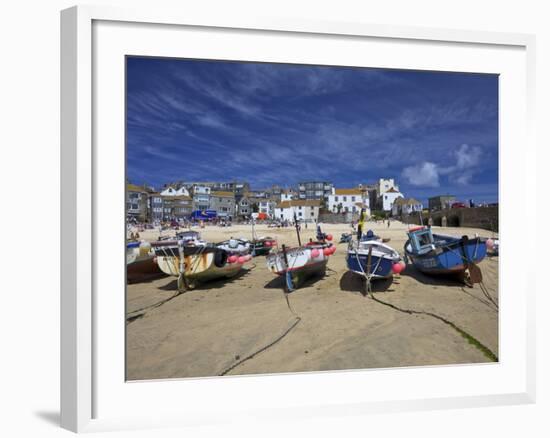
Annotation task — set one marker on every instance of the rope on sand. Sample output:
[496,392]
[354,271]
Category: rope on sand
[485,350]
[271,344]
[136,314]
[287,331]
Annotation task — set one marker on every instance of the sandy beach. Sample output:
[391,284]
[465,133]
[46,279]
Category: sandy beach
[206,331]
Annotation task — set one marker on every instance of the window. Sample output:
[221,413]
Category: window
[386,197]
[336,199]
[300,214]
[345,198]
[313,213]
[353,199]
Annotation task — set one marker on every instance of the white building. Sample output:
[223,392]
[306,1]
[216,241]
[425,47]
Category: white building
[348,200]
[266,206]
[201,197]
[385,184]
[388,198]
[406,206]
[287,195]
[306,210]
[171,191]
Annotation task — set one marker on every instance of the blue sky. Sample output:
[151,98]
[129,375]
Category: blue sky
[434,132]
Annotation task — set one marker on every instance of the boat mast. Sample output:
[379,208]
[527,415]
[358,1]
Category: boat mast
[297,229]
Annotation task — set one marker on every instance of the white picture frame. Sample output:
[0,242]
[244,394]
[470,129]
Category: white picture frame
[82,318]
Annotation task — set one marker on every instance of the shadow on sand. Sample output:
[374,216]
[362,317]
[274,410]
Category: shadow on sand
[212,284]
[351,282]
[279,283]
[456,280]
[145,278]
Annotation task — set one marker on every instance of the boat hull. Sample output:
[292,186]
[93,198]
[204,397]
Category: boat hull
[142,269]
[299,263]
[200,264]
[453,258]
[380,267]
[259,249]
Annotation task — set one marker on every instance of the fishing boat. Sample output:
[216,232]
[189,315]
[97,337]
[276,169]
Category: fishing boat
[369,255]
[139,261]
[238,247]
[192,263]
[372,258]
[190,237]
[346,237]
[440,254]
[302,262]
[260,246]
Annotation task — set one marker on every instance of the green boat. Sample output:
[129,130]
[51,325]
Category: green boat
[260,246]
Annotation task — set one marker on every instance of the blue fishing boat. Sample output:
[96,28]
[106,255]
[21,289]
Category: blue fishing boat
[370,257]
[440,254]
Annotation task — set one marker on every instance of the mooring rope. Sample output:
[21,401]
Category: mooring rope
[135,314]
[271,344]
[462,332]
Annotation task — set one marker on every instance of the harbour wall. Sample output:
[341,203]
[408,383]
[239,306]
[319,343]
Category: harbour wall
[478,217]
[337,218]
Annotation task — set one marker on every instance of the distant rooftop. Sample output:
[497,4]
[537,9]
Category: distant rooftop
[347,191]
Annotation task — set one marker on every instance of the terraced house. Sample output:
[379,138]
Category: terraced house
[177,207]
[201,197]
[348,201]
[155,207]
[136,202]
[314,189]
[306,210]
[223,203]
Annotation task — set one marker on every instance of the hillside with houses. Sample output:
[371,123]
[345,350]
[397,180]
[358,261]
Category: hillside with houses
[237,201]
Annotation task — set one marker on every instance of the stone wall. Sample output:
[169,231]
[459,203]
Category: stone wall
[479,217]
[337,218]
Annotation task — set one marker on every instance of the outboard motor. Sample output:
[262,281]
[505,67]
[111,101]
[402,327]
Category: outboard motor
[320,235]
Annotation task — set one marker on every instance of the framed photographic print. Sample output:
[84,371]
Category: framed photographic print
[257,207]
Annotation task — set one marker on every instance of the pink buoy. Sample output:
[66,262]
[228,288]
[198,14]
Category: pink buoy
[403,265]
[241,259]
[327,251]
[248,257]
[232,259]
[490,244]
[268,243]
[396,268]
[315,253]
[329,237]
[332,249]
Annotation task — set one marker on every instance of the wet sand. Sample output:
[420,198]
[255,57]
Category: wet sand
[206,331]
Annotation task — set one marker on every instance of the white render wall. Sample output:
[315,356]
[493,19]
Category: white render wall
[348,202]
[302,213]
[388,199]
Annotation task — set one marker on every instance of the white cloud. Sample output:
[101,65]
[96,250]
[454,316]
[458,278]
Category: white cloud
[467,156]
[424,175]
